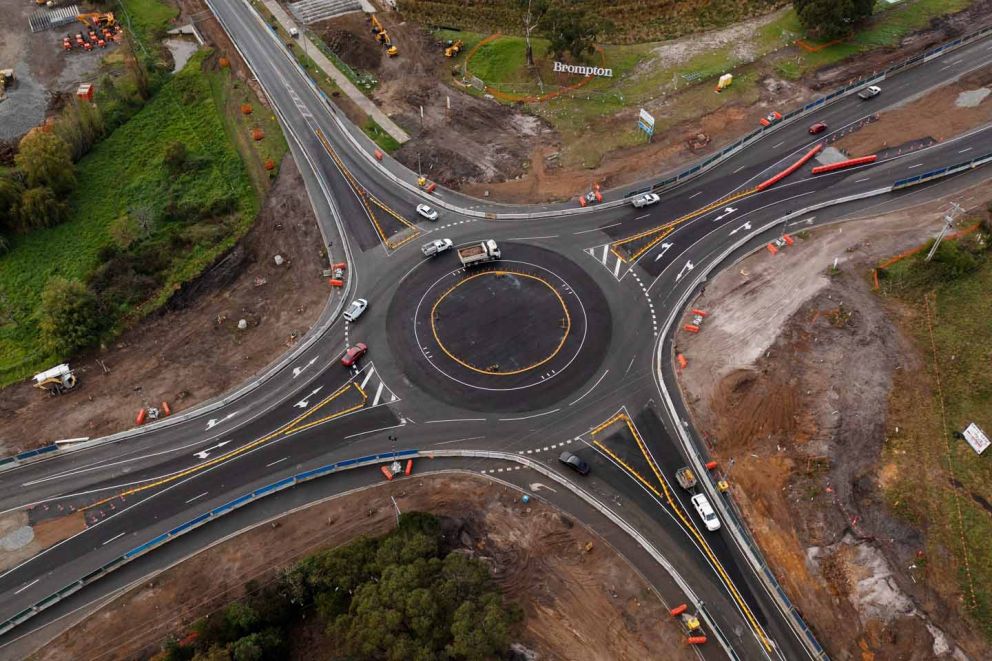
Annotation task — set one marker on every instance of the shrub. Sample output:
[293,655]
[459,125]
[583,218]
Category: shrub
[40,208]
[46,161]
[176,157]
[70,317]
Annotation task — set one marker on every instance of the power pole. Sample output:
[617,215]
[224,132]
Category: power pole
[948,226]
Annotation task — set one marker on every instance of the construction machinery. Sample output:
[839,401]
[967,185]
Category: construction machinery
[453,48]
[97,19]
[56,380]
[382,36]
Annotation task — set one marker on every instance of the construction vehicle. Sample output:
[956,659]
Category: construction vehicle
[56,380]
[686,478]
[66,43]
[382,36]
[477,253]
[453,48]
[97,19]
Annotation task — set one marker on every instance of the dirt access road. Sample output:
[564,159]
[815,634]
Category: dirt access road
[578,604]
[789,381]
[192,350]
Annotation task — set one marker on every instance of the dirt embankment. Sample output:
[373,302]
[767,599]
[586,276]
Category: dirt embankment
[578,604]
[193,350]
[789,379]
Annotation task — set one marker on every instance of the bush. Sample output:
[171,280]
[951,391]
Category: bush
[40,208]
[175,158]
[70,317]
[11,191]
[46,161]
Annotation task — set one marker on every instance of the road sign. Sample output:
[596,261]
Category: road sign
[976,438]
[645,122]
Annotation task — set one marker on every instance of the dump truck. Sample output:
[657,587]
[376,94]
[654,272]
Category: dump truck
[477,253]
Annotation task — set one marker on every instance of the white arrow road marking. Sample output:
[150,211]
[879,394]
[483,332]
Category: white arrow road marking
[685,269]
[745,226]
[537,486]
[305,402]
[664,249]
[203,454]
[726,212]
[297,370]
[213,422]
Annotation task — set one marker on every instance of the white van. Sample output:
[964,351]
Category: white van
[705,511]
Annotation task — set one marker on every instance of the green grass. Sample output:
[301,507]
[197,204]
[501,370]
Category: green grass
[146,18]
[924,493]
[386,142]
[125,173]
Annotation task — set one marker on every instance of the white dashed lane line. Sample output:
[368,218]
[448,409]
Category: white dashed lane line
[493,471]
[654,318]
[546,448]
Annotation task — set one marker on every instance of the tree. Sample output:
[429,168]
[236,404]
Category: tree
[534,13]
[70,317]
[45,160]
[830,19]
[570,30]
[11,191]
[40,208]
[176,157]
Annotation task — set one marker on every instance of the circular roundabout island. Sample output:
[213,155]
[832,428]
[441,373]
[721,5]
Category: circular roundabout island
[517,334]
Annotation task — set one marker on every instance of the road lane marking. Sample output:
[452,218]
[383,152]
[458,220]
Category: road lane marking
[629,365]
[778,145]
[695,194]
[739,169]
[616,269]
[965,149]
[27,586]
[428,422]
[591,389]
[858,181]
[531,238]
[915,166]
[596,229]
[273,463]
[368,376]
[372,431]
[528,417]
[378,393]
[113,538]
[642,217]
[205,493]
[457,440]
[606,252]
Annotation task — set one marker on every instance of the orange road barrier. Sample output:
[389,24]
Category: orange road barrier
[711,465]
[140,418]
[340,265]
[696,640]
[409,467]
[165,408]
[792,168]
[788,239]
[385,471]
[582,200]
[334,282]
[874,277]
[840,165]
[431,187]
[378,155]
[772,249]
[691,328]
[701,313]
[678,610]
[682,361]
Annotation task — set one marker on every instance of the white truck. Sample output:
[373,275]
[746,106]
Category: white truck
[477,253]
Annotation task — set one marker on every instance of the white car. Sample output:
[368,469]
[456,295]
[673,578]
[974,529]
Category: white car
[356,309]
[427,212]
[705,511]
[645,200]
[436,247]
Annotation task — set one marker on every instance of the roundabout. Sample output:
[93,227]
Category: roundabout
[532,324]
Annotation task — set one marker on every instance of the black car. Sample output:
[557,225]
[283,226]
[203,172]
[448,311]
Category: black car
[573,462]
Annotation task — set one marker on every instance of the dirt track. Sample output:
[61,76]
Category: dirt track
[193,350]
[577,604]
[789,379]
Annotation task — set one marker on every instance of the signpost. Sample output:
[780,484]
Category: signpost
[645,122]
[976,438]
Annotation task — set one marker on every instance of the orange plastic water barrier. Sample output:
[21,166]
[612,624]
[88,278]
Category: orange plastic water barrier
[840,165]
[792,168]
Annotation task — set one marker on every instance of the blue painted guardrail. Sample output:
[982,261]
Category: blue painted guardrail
[28,454]
[942,172]
[192,524]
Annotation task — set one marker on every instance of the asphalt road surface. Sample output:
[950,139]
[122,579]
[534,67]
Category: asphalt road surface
[552,347]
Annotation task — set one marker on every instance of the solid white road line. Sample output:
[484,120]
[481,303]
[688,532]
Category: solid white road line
[200,496]
[695,194]
[428,422]
[858,181]
[591,389]
[378,393]
[27,586]
[372,431]
[528,417]
[368,375]
[965,149]
[276,462]
[642,217]
[629,365]
[778,145]
[739,169]
[113,538]
[456,440]
[531,238]
[915,166]
[596,229]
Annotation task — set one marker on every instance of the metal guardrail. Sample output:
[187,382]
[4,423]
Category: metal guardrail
[940,173]
[192,524]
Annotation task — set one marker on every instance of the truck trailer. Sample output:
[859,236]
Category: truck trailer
[477,253]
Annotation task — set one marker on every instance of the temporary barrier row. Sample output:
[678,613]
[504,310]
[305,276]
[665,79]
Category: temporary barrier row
[196,522]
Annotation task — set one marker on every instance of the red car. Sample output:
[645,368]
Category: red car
[819,127]
[771,118]
[352,355]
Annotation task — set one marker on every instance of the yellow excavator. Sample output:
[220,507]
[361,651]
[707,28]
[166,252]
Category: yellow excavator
[382,36]
[453,49]
[97,20]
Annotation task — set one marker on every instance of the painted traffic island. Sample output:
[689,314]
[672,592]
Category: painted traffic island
[515,334]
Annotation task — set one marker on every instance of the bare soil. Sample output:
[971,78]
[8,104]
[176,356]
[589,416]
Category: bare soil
[940,114]
[192,351]
[790,379]
[578,604]
[20,539]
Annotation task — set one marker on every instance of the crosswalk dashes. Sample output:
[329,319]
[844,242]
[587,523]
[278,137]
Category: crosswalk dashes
[372,385]
[609,260]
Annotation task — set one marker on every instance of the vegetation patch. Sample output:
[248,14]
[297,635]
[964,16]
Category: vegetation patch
[155,203]
[406,595]
[931,476]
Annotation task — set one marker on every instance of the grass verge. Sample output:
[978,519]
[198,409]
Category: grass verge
[125,175]
[931,478]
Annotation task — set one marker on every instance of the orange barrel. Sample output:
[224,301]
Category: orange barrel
[166,409]
[699,312]
[334,282]
[140,418]
[409,467]
[432,187]
[711,465]
[340,265]
[678,610]
[682,361]
[377,154]
[385,471]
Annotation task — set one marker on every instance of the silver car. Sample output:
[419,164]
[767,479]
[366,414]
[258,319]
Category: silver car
[427,212]
[356,309]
